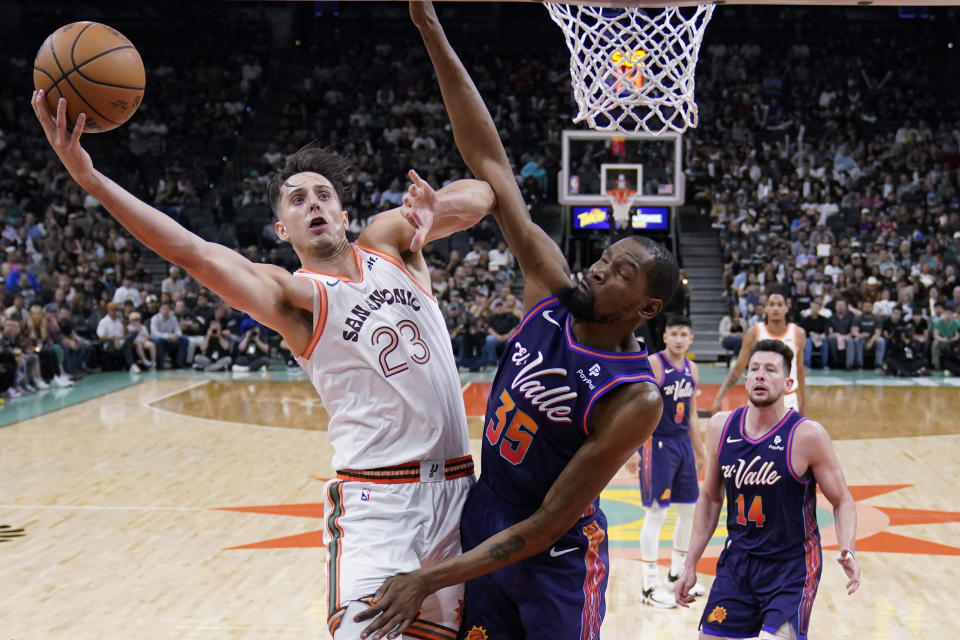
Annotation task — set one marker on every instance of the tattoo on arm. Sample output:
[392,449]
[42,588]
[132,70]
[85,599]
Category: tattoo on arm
[502,550]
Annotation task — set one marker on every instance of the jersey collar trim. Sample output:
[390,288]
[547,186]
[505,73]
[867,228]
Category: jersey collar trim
[342,278]
[776,427]
[609,355]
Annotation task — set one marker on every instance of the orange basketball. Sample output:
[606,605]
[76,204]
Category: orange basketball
[96,69]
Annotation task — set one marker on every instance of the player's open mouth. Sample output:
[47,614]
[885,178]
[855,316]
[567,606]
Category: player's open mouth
[760,389]
[318,223]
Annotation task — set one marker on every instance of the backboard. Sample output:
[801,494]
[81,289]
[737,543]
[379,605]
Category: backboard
[593,162]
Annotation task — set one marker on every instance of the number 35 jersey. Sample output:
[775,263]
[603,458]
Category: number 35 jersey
[540,407]
[381,360]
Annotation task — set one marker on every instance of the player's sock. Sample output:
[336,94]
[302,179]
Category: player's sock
[650,544]
[681,537]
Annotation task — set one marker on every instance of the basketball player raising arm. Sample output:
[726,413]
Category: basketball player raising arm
[556,483]
[309,213]
[767,461]
[777,327]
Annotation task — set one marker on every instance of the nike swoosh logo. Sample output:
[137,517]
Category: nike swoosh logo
[731,440]
[669,371]
[553,550]
[331,283]
[546,316]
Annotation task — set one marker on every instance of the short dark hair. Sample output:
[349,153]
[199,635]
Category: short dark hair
[679,321]
[327,163]
[776,346]
[663,273]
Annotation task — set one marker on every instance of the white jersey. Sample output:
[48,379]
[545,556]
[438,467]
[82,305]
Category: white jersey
[791,338]
[381,360]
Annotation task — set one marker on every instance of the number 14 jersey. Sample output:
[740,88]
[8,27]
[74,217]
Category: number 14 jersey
[381,360]
[771,511]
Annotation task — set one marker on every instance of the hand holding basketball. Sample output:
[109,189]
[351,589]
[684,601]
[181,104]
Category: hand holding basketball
[75,159]
[96,68]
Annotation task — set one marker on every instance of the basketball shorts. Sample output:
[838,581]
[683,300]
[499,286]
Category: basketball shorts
[791,400]
[752,594]
[557,594]
[374,531]
[668,471]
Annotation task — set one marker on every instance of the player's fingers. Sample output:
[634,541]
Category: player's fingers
[389,626]
[407,200]
[418,240]
[78,129]
[61,120]
[370,612]
[415,178]
[401,628]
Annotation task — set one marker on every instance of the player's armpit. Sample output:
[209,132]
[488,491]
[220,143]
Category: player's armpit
[267,292]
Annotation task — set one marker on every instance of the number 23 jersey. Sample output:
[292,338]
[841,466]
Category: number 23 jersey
[541,402]
[381,360]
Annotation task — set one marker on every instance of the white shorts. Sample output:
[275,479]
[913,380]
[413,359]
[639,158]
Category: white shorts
[374,530]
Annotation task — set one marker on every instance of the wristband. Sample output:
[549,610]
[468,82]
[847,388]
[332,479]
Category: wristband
[849,553]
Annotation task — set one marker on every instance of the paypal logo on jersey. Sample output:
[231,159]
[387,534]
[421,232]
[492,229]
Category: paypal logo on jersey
[532,383]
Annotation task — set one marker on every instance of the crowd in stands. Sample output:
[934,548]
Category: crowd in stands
[827,177]
[833,182]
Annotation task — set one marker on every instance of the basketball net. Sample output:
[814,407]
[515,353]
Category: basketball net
[632,70]
[621,200]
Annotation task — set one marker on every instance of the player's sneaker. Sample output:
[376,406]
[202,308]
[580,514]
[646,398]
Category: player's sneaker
[697,590]
[658,597]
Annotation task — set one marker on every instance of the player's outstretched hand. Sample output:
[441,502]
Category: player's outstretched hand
[395,606]
[419,208]
[681,590]
[67,145]
[849,563]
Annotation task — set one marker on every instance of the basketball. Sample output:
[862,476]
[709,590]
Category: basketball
[96,68]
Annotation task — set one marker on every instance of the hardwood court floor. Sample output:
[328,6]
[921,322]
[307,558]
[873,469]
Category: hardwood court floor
[188,507]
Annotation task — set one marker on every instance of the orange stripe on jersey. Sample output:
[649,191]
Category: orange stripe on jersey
[321,320]
[426,630]
[398,264]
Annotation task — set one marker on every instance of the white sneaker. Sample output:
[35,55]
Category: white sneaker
[658,597]
[697,590]
[61,383]
[40,384]
[134,368]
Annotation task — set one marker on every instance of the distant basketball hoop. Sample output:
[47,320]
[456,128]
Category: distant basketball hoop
[621,199]
[632,69]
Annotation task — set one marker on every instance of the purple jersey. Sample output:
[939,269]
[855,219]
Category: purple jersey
[771,512]
[539,411]
[677,390]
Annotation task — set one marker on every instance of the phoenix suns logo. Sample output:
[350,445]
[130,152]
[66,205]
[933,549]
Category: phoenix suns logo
[718,615]
[476,633]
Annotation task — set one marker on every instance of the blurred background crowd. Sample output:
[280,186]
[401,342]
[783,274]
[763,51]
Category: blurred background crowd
[827,176]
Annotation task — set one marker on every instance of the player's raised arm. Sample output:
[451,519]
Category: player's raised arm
[266,292]
[737,369]
[427,215]
[707,514]
[615,437]
[543,265]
